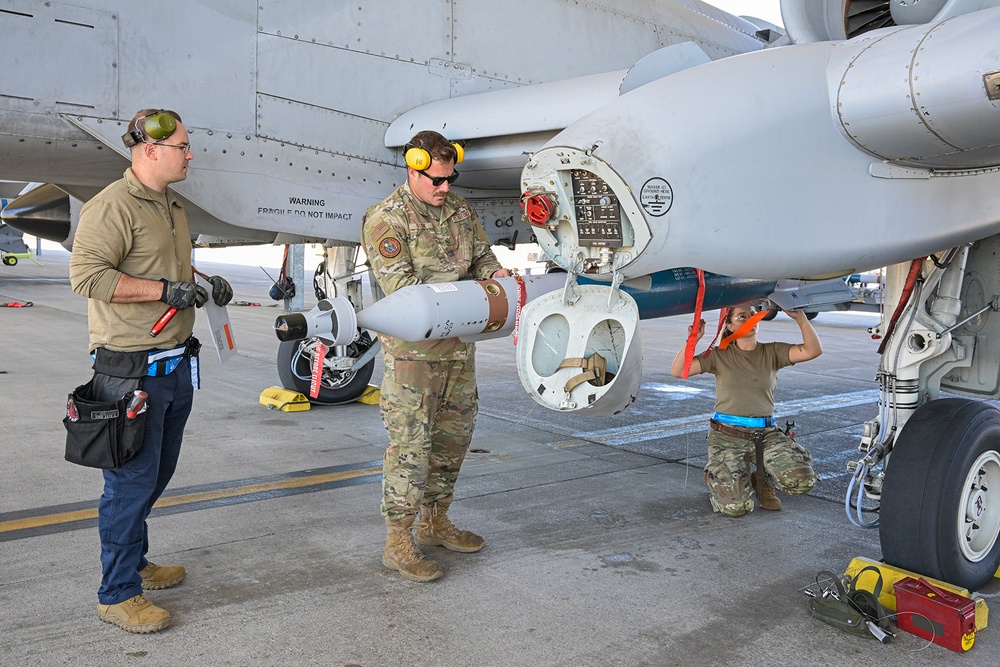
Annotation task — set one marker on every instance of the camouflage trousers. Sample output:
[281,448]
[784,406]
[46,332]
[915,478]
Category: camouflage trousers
[429,410]
[787,465]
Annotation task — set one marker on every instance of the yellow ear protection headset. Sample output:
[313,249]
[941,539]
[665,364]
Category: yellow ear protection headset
[418,158]
[157,126]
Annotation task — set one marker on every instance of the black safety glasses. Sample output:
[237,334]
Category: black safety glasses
[436,181]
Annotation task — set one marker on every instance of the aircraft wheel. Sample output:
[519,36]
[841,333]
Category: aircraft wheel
[771,314]
[812,315]
[295,371]
[10,261]
[940,511]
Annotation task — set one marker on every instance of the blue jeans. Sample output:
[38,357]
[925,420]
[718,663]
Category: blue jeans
[131,490]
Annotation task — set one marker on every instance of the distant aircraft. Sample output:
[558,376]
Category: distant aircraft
[11,241]
[642,139]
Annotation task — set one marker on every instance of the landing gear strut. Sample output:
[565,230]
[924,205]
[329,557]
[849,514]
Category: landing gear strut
[939,487]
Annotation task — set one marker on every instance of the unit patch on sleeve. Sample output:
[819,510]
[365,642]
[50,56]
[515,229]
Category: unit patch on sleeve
[389,247]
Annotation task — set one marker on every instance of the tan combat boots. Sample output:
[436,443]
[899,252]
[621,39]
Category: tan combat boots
[137,614]
[402,554]
[434,528]
[765,493]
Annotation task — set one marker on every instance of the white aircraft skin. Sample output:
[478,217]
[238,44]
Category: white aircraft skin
[811,133]
[710,141]
[288,102]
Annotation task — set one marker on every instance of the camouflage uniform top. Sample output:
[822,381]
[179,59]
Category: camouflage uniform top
[410,243]
[745,381]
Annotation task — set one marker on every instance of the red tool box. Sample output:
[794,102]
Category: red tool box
[933,613]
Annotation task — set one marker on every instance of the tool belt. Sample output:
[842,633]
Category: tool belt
[735,432]
[157,362]
[99,431]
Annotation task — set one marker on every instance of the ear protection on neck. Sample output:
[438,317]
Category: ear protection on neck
[418,158]
[157,126]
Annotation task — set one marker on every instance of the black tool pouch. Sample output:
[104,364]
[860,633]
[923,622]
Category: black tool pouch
[99,433]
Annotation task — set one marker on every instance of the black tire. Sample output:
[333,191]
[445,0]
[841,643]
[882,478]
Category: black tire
[295,371]
[10,260]
[771,314]
[812,315]
[944,466]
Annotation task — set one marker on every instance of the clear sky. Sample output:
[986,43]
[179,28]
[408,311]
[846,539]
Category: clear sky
[765,9]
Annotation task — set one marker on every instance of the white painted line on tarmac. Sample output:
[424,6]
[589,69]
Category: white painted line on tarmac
[634,433]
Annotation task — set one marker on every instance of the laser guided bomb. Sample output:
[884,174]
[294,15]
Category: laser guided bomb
[467,309]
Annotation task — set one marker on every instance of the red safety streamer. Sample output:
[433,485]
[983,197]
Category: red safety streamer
[693,336]
[718,330]
[743,330]
[319,355]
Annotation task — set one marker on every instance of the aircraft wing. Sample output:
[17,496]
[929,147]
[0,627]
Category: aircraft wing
[651,143]
[870,139]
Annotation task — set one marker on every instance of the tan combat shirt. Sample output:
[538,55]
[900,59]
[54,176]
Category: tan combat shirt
[408,243]
[128,228]
[745,381]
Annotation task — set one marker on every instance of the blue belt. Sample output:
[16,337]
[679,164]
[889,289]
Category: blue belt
[745,422]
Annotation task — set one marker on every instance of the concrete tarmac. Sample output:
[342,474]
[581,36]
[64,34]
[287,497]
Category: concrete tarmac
[602,548]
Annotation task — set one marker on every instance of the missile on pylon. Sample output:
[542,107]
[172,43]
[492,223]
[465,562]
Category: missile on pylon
[467,309]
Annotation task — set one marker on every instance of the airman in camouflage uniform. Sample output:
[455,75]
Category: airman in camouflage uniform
[423,233]
[745,379]
[787,465]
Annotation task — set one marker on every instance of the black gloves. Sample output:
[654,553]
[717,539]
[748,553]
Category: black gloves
[222,291]
[181,295]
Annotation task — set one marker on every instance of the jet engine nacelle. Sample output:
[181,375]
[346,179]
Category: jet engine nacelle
[834,20]
[927,96]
